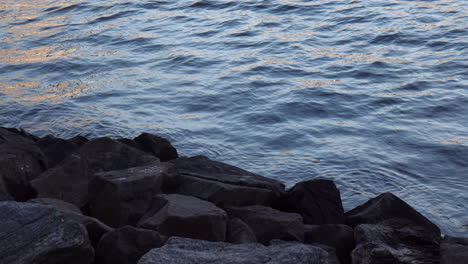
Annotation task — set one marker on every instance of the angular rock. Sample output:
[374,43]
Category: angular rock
[395,241]
[122,197]
[21,160]
[158,146]
[318,201]
[126,245]
[60,205]
[339,237]
[185,216]
[224,184]
[387,206]
[239,232]
[190,251]
[34,233]
[268,223]
[56,149]
[78,140]
[454,250]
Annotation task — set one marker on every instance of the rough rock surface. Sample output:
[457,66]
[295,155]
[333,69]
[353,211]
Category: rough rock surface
[454,250]
[340,237]
[387,206]
[239,232]
[395,241]
[56,149]
[268,223]
[158,146]
[318,201]
[126,245]
[224,184]
[122,197]
[34,233]
[60,205]
[21,160]
[185,216]
[190,251]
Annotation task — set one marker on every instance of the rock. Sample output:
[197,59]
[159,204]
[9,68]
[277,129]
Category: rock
[34,233]
[126,245]
[339,237]
[224,184]
[158,146]
[56,149]
[21,132]
[239,232]
[454,250]
[21,160]
[318,201]
[185,216]
[190,251]
[268,223]
[96,229]
[78,140]
[395,241]
[387,206]
[67,181]
[121,197]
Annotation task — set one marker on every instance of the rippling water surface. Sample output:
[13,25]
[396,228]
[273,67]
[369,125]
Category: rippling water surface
[372,94]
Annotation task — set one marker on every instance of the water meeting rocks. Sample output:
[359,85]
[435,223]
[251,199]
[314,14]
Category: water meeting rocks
[158,146]
[190,251]
[35,233]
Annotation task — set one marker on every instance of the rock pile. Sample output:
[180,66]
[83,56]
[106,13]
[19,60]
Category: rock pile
[135,201]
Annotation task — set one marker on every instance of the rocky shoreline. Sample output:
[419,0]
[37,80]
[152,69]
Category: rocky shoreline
[135,200]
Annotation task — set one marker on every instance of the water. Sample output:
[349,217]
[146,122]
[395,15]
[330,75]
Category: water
[371,94]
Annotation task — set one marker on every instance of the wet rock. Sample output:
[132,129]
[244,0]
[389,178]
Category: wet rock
[121,197]
[387,206]
[339,237]
[239,232]
[34,233]
[395,241]
[158,146]
[224,184]
[318,201]
[56,149]
[21,160]
[185,216]
[268,223]
[191,251]
[454,250]
[126,245]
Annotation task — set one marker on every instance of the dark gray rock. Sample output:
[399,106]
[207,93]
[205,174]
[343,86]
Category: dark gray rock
[21,160]
[34,233]
[339,237]
[78,140]
[387,206]
[56,149]
[239,232]
[185,216]
[395,241]
[318,201]
[224,184]
[454,250]
[126,245]
[122,197]
[60,205]
[158,146]
[190,251]
[268,223]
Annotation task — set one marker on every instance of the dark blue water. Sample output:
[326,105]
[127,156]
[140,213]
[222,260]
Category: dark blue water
[371,94]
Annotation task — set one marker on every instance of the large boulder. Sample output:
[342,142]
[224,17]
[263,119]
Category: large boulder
[126,245]
[318,201]
[121,197]
[56,149]
[185,216]
[224,184]
[387,206]
[454,250]
[158,146]
[395,241]
[239,232]
[34,233]
[339,237]
[190,251]
[21,160]
[268,223]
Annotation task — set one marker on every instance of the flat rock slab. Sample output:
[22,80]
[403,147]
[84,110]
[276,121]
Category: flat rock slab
[186,216]
[224,184]
[268,223]
[454,250]
[190,251]
[34,233]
